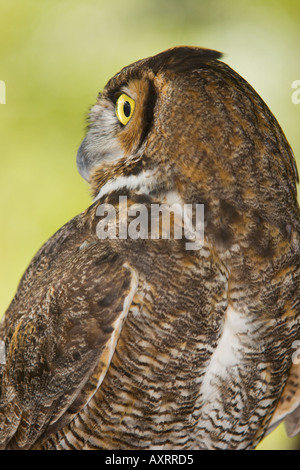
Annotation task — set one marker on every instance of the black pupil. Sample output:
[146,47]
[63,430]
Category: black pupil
[127,109]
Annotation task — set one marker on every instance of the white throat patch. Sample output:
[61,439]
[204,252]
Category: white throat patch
[143,183]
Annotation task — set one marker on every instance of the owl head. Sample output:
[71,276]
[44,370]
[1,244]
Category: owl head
[185,123]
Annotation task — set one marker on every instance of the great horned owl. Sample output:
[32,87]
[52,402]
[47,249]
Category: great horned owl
[127,342]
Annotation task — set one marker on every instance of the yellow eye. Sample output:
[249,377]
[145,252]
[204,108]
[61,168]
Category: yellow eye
[124,108]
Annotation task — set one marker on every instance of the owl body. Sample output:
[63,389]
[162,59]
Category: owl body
[140,343]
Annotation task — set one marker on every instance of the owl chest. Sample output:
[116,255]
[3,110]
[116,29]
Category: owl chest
[152,389]
[156,392]
[178,387]
[178,377]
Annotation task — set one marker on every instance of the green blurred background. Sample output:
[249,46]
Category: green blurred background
[55,55]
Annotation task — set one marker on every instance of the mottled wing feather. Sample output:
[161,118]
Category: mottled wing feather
[288,408]
[60,336]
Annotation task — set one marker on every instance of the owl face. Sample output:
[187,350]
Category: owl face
[182,122]
[115,142]
[135,130]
